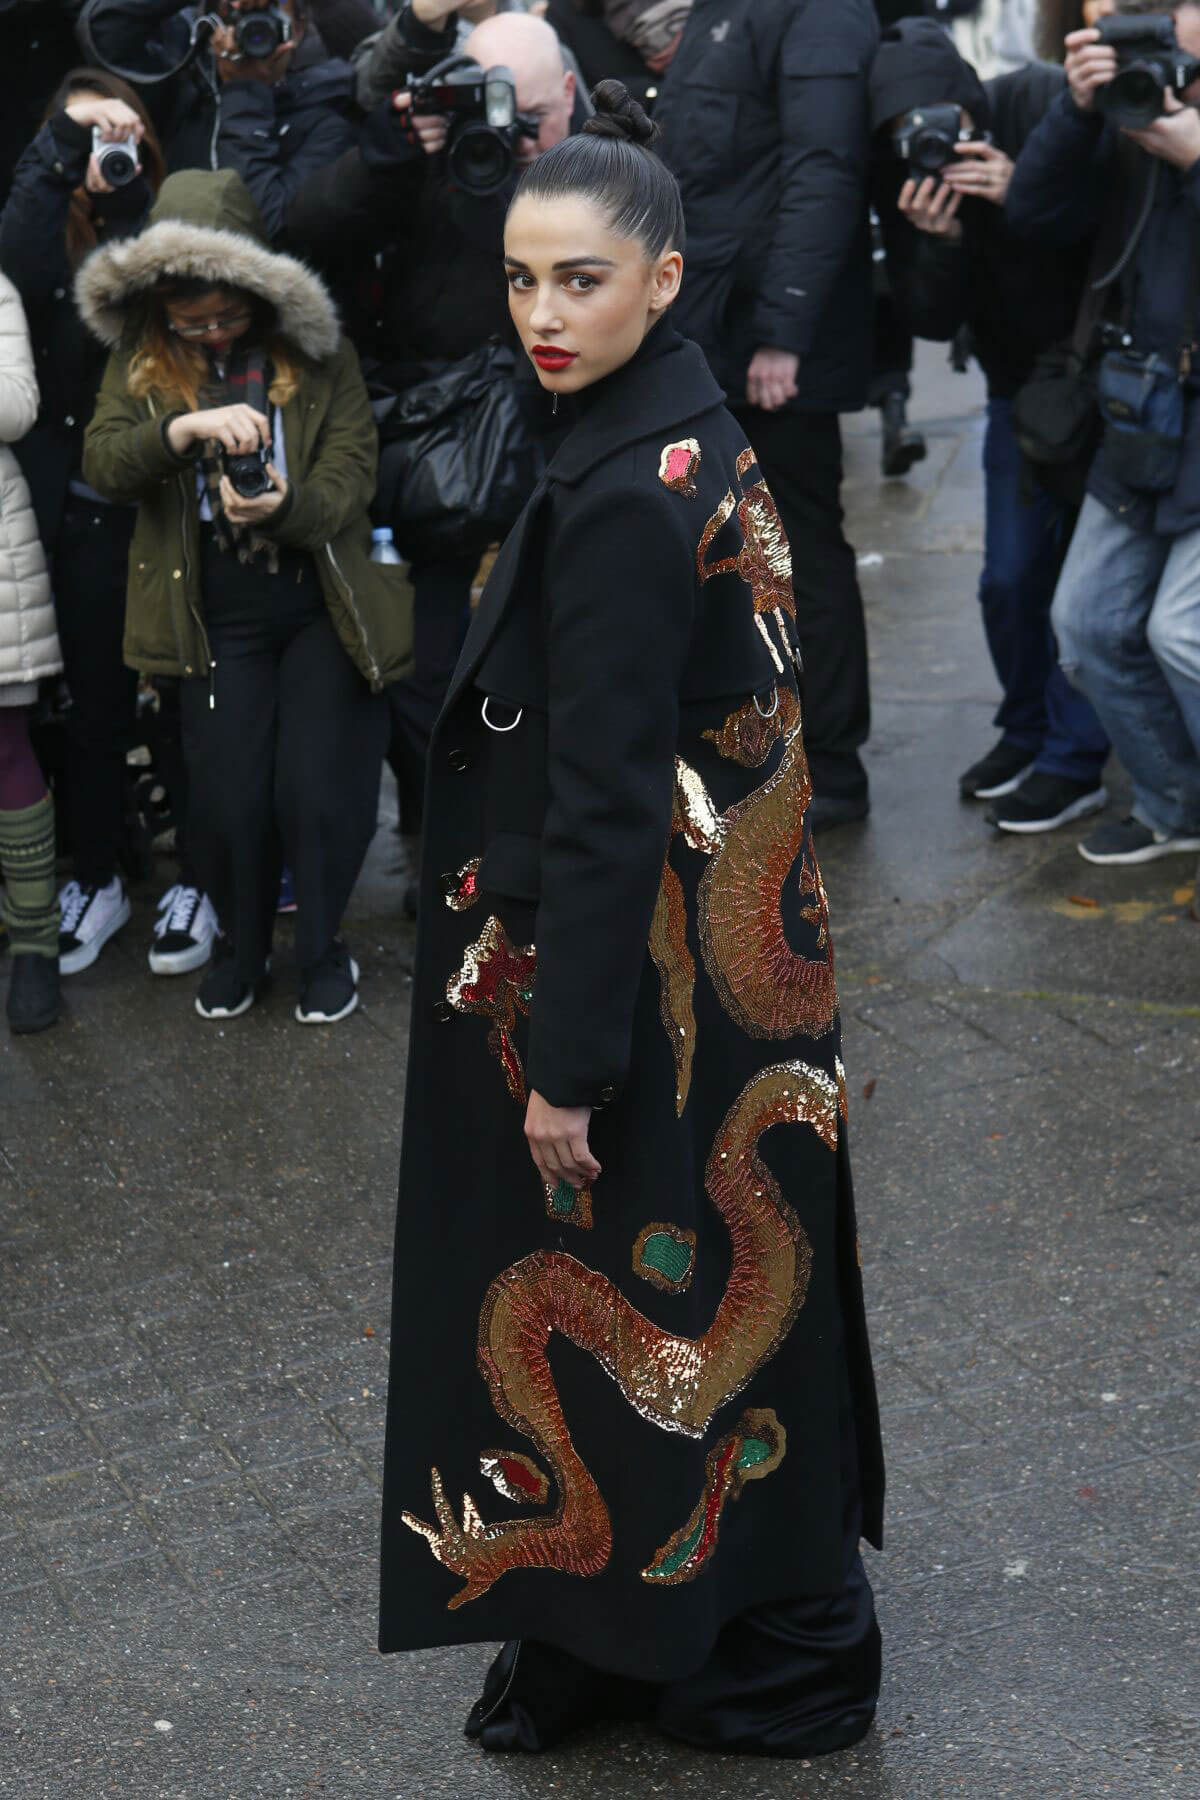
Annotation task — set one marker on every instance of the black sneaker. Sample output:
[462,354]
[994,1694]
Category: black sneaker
[330,991]
[32,993]
[1044,802]
[223,994]
[903,445]
[184,931]
[1001,771]
[1129,841]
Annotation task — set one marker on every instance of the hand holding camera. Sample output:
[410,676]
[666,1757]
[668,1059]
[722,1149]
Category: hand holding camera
[982,171]
[430,130]
[251,509]
[239,430]
[116,133]
[1090,65]
[256,43]
[931,206]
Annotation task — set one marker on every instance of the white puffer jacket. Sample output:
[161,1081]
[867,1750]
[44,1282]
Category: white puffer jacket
[28,640]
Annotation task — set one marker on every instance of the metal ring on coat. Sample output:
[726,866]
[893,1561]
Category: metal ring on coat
[500,728]
[774,704]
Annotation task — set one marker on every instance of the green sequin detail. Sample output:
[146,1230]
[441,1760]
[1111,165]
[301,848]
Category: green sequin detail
[677,1559]
[564,1199]
[754,1451]
[667,1256]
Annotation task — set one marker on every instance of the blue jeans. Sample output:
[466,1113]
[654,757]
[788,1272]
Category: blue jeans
[1024,545]
[1127,614]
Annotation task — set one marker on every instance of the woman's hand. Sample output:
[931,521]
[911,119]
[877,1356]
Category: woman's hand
[242,511]
[113,120]
[931,206]
[238,429]
[771,378]
[558,1142]
[983,171]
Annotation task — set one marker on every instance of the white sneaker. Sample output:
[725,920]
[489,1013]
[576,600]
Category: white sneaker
[183,932]
[90,916]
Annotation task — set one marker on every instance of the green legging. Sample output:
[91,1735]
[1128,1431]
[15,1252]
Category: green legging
[27,865]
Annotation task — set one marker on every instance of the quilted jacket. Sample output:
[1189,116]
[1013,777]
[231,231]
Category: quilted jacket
[28,639]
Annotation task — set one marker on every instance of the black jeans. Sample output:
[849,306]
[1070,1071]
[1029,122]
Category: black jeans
[800,455]
[441,603]
[90,572]
[284,763]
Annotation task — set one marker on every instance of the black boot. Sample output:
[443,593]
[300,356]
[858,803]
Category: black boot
[32,992]
[536,1696]
[903,445]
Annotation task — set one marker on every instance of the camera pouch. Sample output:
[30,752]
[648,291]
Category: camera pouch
[1141,403]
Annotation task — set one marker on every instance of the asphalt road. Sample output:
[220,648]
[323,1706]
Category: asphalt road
[195,1230]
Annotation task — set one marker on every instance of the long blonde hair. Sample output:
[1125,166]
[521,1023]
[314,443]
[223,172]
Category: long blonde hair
[174,370]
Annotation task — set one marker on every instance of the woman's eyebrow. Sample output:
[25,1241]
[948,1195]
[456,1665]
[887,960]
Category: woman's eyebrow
[579,262]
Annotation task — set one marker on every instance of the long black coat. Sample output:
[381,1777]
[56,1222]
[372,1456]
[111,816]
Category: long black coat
[644,1391]
[765,121]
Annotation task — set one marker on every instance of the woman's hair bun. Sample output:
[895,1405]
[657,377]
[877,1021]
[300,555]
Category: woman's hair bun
[618,115]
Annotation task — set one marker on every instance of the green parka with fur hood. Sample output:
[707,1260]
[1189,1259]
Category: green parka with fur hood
[205,224]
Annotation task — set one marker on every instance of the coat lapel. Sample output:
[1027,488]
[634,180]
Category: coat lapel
[501,585]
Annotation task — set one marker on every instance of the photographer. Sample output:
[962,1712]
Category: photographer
[274,118]
[1127,609]
[765,123]
[631,41]
[945,147]
[416,262]
[234,417]
[60,208]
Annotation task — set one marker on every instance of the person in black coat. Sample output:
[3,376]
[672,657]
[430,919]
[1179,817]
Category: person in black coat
[1126,610]
[954,261]
[275,122]
[589,29]
[765,123]
[624,981]
[59,208]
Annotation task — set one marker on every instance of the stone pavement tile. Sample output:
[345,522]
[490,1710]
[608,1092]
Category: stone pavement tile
[361,1422]
[1143,1503]
[1027,1449]
[91,1542]
[294,1344]
[173,1468]
[952,1371]
[185,1513]
[313,1484]
[250,1552]
[127,1590]
[291,1437]
[64,1495]
[1116,1374]
[338,1379]
[84,1358]
[231,1405]
[30,1410]
[1166,1424]
[141,1426]
[912,1433]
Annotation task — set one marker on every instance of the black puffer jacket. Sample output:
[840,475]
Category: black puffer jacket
[1066,181]
[765,121]
[274,137]
[33,254]
[1018,297]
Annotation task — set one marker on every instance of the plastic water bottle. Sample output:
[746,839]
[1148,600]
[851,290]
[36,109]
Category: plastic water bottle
[383,549]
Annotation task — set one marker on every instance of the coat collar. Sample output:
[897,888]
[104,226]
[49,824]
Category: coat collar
[665,384]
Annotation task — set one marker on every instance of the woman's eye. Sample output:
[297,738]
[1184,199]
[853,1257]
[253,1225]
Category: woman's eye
[582,284]
[521,282]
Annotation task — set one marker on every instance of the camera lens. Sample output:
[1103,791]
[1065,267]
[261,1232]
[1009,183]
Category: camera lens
[1134,96]
[258,35]
[930,152]
[481,159]
[117,165]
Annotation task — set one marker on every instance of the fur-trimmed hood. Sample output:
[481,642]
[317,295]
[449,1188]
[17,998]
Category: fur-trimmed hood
[205,224]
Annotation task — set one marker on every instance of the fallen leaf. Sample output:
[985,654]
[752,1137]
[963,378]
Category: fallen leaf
[368,1331]
[1081,900]
[870,1088]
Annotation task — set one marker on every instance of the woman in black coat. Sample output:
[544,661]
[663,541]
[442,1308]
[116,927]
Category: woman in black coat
[647,1344]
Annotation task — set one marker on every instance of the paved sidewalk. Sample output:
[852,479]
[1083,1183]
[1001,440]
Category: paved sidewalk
[195,1230]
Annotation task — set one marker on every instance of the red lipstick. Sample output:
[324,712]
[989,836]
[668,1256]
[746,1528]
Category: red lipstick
[552,359]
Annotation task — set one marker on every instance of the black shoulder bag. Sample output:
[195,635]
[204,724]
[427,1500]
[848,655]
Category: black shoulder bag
[1056,413]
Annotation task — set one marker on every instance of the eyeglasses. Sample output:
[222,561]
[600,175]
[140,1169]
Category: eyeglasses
[229,322]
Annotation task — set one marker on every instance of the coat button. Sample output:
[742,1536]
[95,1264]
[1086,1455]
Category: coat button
[70,419]
[176,574]
[607,1095]
[188,669]
[443,1012]
[459,760]
[141,568]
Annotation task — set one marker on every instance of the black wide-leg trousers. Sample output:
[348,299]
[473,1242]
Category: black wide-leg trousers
[284,749]
[800,455]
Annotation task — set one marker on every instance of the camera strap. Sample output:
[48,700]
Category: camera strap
[202,31]
[1187,340]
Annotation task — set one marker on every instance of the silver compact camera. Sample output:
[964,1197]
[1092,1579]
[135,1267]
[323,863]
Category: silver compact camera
[116,158]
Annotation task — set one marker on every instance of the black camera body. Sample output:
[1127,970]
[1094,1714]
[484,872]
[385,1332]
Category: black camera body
[248,473]
[260,34]
[116,158]
[481,107]
[925,137]
[1149,61]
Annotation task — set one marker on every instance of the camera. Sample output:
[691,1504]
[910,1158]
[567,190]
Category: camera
[925,137]
[485,125]
[116,158]
[1148,61]
[259,34]
[248,472]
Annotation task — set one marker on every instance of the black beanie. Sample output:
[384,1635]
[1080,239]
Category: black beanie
[917,65]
